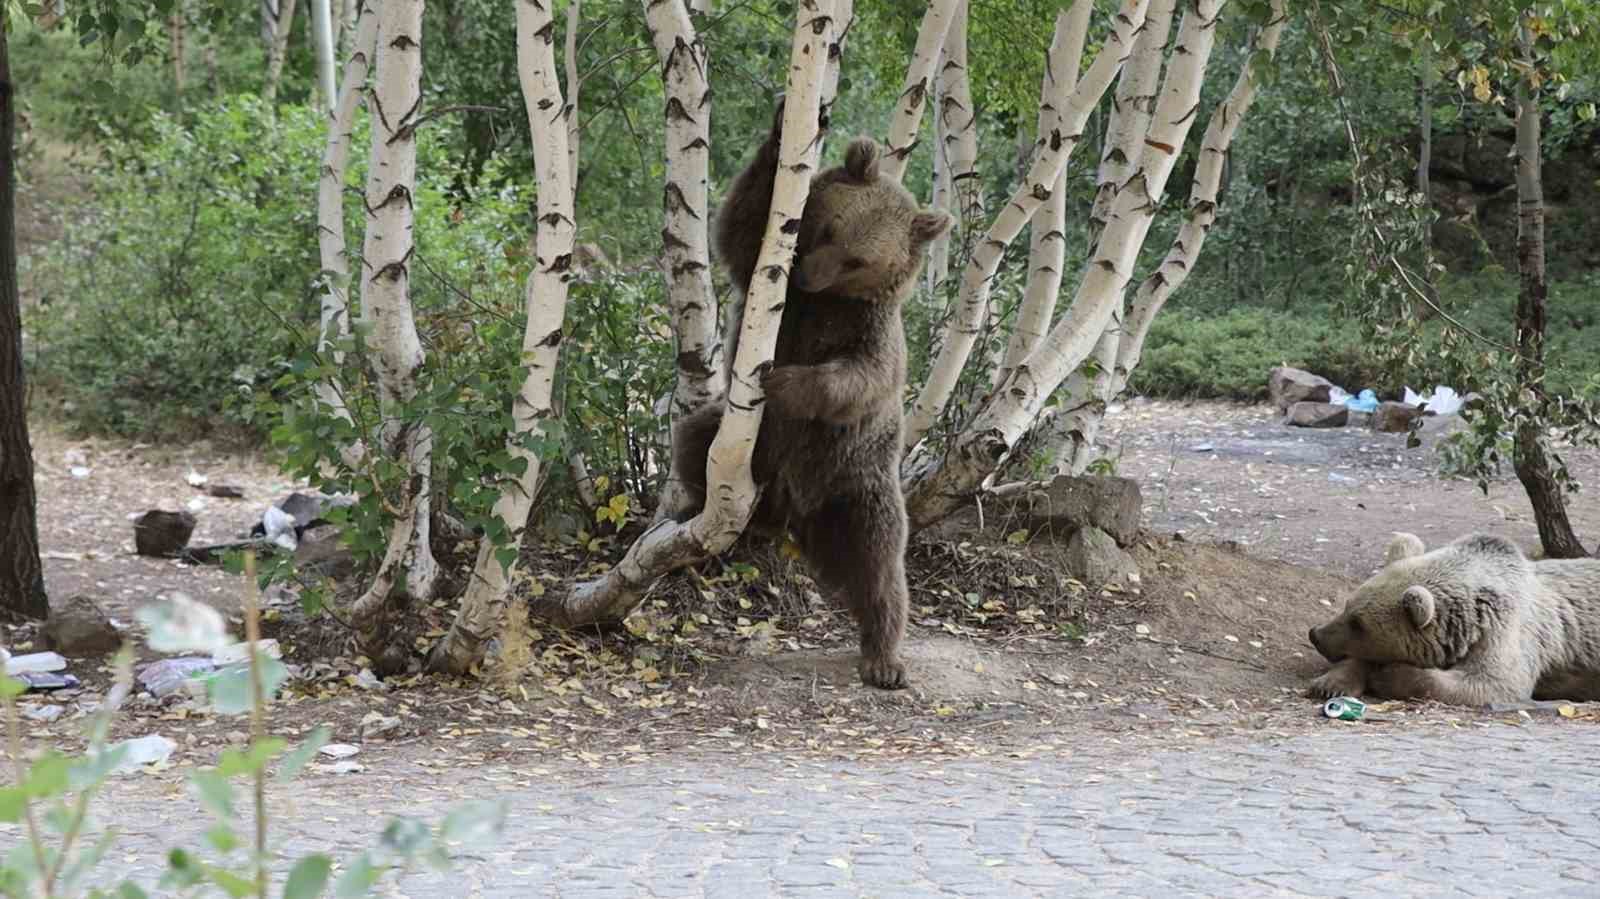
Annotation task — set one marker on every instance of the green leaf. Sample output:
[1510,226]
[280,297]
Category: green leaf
[475,821]
[231,883]
[183,871]
[308,878]
[127,890]
[49,776]
[13,803]
[404,835]
[215,792]
[305,752]
[358,878]
[229,689]
[234,763]
[183,625]
[222,838]
[11,688]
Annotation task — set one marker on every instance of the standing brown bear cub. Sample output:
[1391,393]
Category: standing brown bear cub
[828,454]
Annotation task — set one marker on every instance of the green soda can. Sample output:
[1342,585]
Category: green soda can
[1344,708]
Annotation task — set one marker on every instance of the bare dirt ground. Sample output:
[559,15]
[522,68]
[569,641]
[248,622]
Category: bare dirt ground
[1254,533]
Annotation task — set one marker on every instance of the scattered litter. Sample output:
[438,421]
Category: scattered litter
[366,680]
[279,527]
[1338,478]
[47,680]
[148,750]
[340,767]
[167,676]
[1444,400]
[195,478]
[80,471]
[339,750]
[1344,708]
[35,661]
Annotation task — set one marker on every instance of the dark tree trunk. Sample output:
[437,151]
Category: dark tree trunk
[1528,448]
[21,576]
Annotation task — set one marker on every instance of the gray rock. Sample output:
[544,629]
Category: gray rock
[1318,415]
[167,676]
[1394,418]
[1093,557]
[79,628]
[162,533]
[321,553]
[1287,386]
[1069,503]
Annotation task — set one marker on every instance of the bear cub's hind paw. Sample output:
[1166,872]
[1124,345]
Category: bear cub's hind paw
[883,672]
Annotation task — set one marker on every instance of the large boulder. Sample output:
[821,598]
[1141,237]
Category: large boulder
[1319,415]
[79,628]
[1092,556]
[1287,386]
[162,533]
[1070,503]
[1394,418]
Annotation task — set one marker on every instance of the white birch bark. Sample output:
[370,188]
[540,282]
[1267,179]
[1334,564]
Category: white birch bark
[335,259]
[1013,405]
[844,17]
[685,235]
[937,269]
[386,258]
[1202,210]
[483,605]
[1131,108]
[574,88]
[960,122]
[279,48]
[906,120]
[731,491]
[1049,160]
[1047,234]
[322,30]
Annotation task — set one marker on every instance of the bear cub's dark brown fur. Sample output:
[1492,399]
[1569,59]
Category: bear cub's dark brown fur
[828,455]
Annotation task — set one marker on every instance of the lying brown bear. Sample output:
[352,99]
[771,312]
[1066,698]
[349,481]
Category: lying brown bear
[1471,623]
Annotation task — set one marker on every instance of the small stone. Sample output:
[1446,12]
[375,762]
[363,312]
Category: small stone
[1111,504]
[1287,386]
[1394,418]
[162,533]
[1318,415]
[43,713]
[79,628]
[225,491]
[374,725]
[1093,557]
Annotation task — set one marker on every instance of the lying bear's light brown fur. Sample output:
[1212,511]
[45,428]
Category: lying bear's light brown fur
[1471,623]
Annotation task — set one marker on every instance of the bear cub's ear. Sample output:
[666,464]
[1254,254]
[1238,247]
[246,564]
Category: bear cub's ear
[861,159]
[927,226]
[1403,546]
[1418,603]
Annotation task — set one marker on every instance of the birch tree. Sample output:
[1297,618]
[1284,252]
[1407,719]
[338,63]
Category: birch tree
[959,118]
[1050,155]
[731,491]
[938,487]
[408,568]
[686,246]
[1047,234]
[482,606]
[906,120]
[335,317]
[322,32]
[282,23]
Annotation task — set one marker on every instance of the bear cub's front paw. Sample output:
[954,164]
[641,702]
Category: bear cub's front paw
[790,392]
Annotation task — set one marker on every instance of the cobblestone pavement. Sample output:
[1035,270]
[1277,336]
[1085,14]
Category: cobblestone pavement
[1350,810]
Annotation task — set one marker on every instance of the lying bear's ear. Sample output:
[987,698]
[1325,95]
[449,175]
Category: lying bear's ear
[1418,603]
[927,226]
[1403,546]
[861,159]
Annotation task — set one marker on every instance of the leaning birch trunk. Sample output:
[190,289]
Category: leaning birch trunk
[937,489]
[731,491]
[685,234]
[1184,254]
[1047,234]
[937,270]
[1049,161]
[335,326]
[386,309]
[322,29]
[482,606]
[960,120]
[279,48]
[906,120]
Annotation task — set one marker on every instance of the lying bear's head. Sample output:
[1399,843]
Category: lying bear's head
[862,235]
[1426,609]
